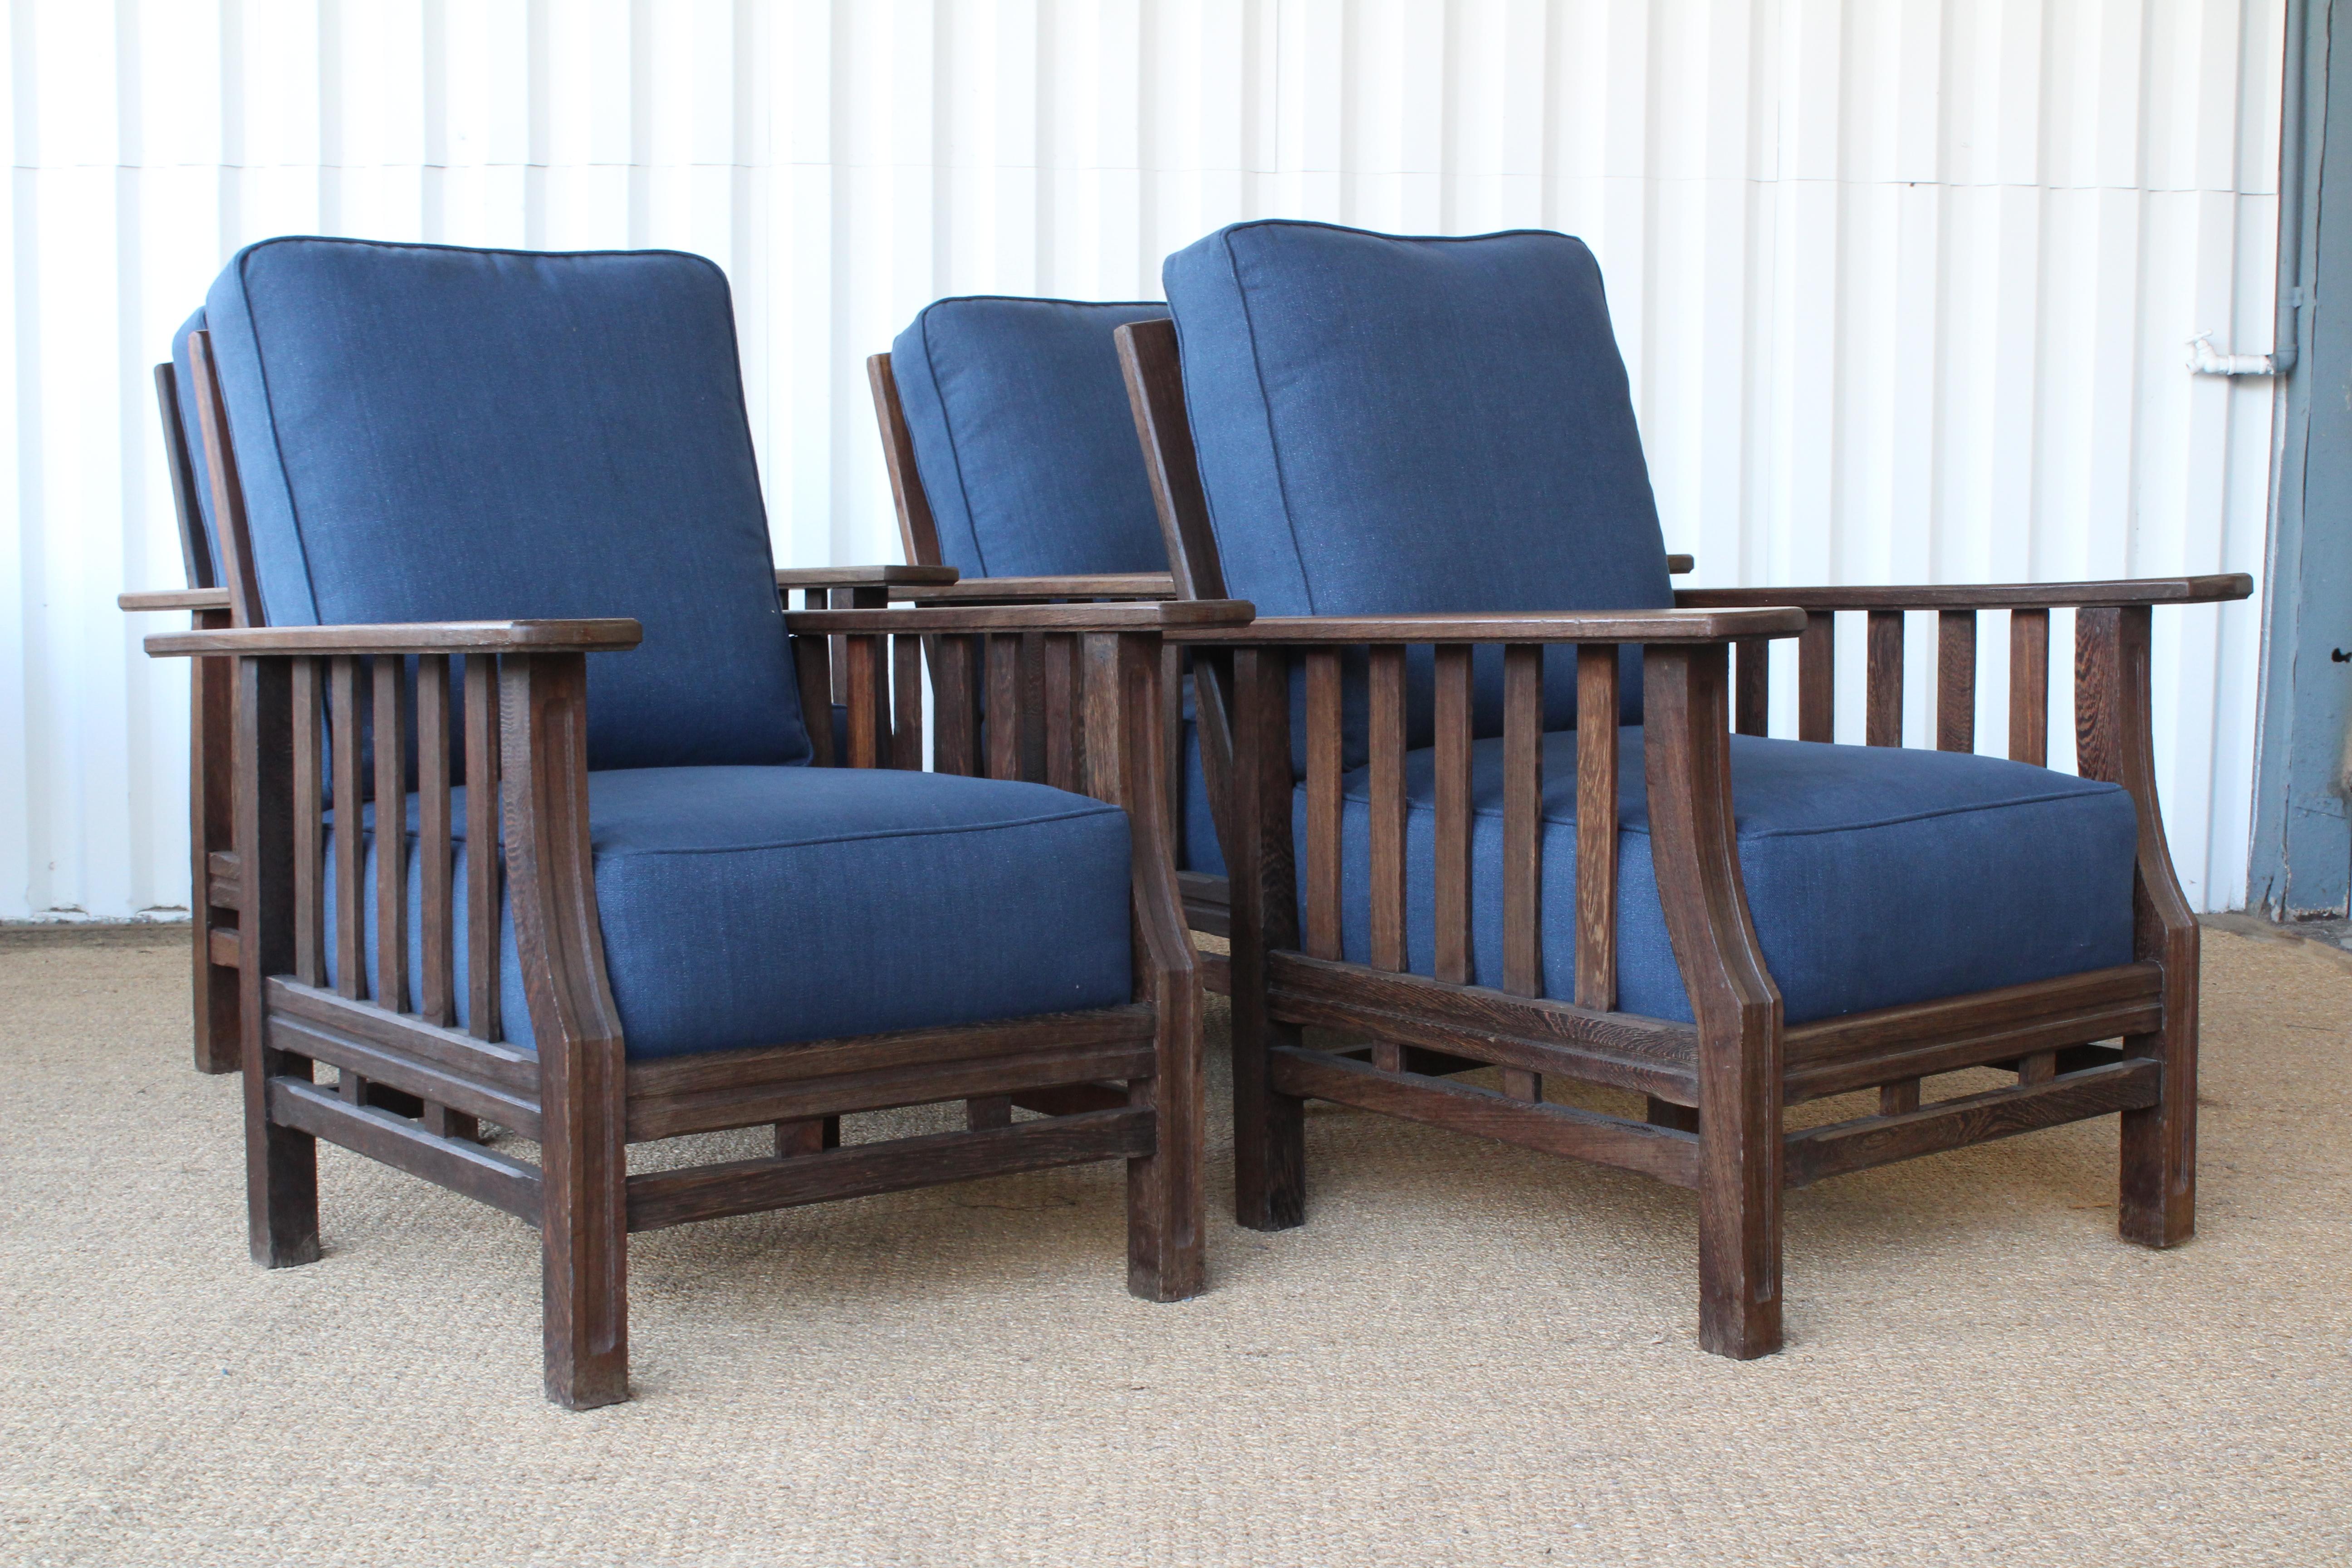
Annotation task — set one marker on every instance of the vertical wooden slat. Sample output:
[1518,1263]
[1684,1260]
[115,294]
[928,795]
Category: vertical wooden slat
[813,664]
[1034,765]
[1956,680]
[1899,1097]
[1270,1129]
[1751,691]
[437,998]
[1064,703]
[1817,678]
[2029,686]
[863,684]
[1596,826]
[1388,808]
[310,826]
[1883,721]
[1523,838]
[351,909]
[955,730]
[391,838]
[1323,802]
[906,704]
[1452,792]
[484,862]
[1004,706]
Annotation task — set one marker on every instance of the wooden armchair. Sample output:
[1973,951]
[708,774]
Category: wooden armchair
[221,593]
[1427,726]
[689,921]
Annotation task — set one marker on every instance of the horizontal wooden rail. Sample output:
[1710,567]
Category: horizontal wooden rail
[661,1198]
[1820,1152]
[2204,590]
[462,1167]
[163,599]
[1039,590]
[1669,1155]
[1141,615]
[901,576]
[1678,626]
[430,1082]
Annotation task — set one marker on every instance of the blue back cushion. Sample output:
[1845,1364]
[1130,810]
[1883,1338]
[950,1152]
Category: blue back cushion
[426,433]
[184,382]
[1022,433]
[1389,425]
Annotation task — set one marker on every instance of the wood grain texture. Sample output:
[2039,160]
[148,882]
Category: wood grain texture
[906,704]
[1523,708]
[388,743]
[919,532]
[1171,615]
[227,487]
[281,1163]
[1956,680]
[1496,626]
[1596,847]
[152,601]
[343,722]
[1092,586]
[661,1198]
[1883,703]
[1323,802]
[2114,741]
[1003,724]
[437,998]
[955,697]
[1269,1136]
[1671,1156]
[307,683]
[1857,1145]
[508,1069]
[813,673]
[1452,768]
[212,833]
[1688,724]
[479,1173]
[1149,361]
[544,768]
[1817,678]
[423,636]
[1387,824]
[483,1003]
[1752,696]
[2029,686]
[433,1083]
[890,578]
[2198,590]
[869,720]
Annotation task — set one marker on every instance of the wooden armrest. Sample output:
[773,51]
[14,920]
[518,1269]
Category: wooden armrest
[1018,589]
[425,637]
[1155,615]
[1521,626]
[864,576]
[1681,565]
[1984,596]
[174,599]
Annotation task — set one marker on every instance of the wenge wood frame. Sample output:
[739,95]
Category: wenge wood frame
[1121,1082]
[1716,1089]
[1207,899]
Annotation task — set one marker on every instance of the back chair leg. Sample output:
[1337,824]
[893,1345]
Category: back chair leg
[2158,1206]
[1269,1127]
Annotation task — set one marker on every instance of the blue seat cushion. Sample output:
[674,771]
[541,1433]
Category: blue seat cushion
[1028,454]
[1387,425]
[755,906]
[183,383]
[426,433]
[1876,876]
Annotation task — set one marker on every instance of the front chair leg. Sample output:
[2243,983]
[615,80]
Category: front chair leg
[2158,1206]
[1269,1127]
[281,1165]
[1165,1197]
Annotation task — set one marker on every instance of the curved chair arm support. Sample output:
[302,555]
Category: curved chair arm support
[2215,588]
[611,635]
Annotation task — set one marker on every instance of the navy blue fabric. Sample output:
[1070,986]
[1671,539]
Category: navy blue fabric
[1022,433]
[1876,876]
[184,382]
[752,906]
[1387,425]
[428,433]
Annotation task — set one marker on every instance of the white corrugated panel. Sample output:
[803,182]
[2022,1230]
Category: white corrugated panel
[1902,285]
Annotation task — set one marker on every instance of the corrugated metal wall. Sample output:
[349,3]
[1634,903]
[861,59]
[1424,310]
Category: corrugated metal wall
[1903,284]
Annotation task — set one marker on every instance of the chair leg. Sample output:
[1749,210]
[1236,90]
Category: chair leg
[281,1170]
[1165,1195]
[1739,1195]
[2158,1206]
[583,1238]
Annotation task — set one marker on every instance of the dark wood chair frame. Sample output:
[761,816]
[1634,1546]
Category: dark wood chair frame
[1207,899]
[216,892]
[1716,1089]
[299,707]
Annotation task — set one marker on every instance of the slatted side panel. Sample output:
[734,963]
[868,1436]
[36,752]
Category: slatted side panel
[1900,287]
